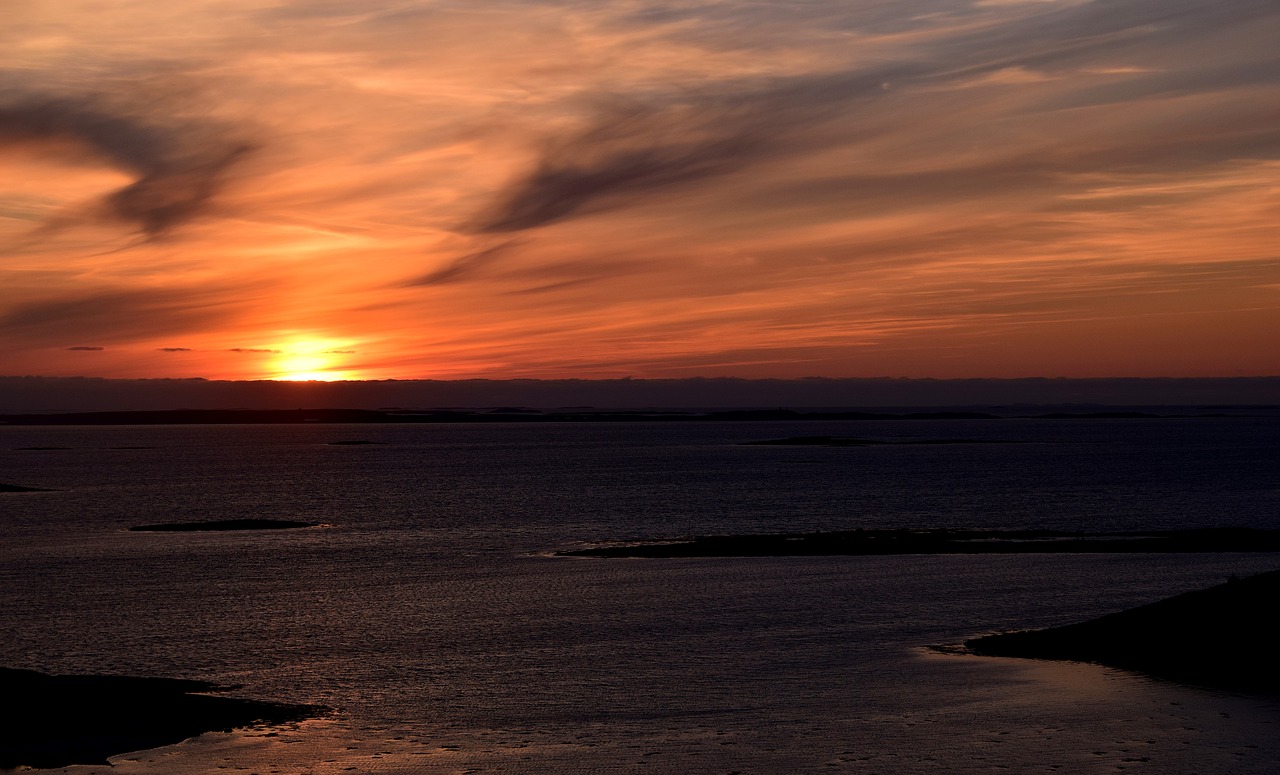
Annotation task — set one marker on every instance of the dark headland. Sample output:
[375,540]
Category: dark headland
[1218,637]
[61,720]
[223,524]
[947,541]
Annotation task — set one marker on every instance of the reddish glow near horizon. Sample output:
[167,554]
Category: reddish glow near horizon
[309,360]
[439,189]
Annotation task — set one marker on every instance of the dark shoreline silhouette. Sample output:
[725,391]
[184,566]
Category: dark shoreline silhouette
[947,541]
[524,415]
[847,441]
[222,525]
[61,720]
[1219,637]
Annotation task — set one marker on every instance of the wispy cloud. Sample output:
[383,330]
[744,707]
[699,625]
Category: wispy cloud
[177,169]
[114,315]
[603,187]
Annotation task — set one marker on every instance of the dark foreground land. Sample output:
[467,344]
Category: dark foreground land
[946,541]
[1220,637]
[60,720]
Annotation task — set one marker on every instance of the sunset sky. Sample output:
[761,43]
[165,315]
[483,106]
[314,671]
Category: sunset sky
[365,189]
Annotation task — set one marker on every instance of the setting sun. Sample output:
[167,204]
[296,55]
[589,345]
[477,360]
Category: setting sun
[538,190]
[310,360]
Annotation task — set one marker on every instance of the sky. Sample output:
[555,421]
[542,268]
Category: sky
[455,189]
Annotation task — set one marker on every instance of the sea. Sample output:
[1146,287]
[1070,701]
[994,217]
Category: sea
[431,614]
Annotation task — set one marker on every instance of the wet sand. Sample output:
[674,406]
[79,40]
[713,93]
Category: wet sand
[60,720]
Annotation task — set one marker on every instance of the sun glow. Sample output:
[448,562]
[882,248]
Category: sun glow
[311,360]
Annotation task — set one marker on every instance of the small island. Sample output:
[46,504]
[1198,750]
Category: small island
[849,441]
[18,488]
[946,541]
[1219,637]
[62,720]
[223,524]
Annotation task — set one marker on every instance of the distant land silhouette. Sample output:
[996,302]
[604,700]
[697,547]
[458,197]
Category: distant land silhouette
[24,395]
[946,541]
[288,416]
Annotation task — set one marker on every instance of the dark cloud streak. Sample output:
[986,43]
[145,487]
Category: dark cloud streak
[179,167]
[115,315]
[636,147]
[462,267]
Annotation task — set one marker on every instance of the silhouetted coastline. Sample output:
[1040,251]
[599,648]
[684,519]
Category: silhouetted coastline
[520,415]
[947,541]
[27,395]
[1220,637]
[61,720]
[845,441]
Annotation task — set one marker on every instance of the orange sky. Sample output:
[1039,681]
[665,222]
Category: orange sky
[245,189]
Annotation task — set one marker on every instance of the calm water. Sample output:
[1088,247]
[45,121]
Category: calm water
[430,614]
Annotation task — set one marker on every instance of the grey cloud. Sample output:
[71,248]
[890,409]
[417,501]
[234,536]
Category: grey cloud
[113,315]
[460,268]
[641,146]
[1088,34]
[179,166]
[732,24]
[634,148]
[87,348]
